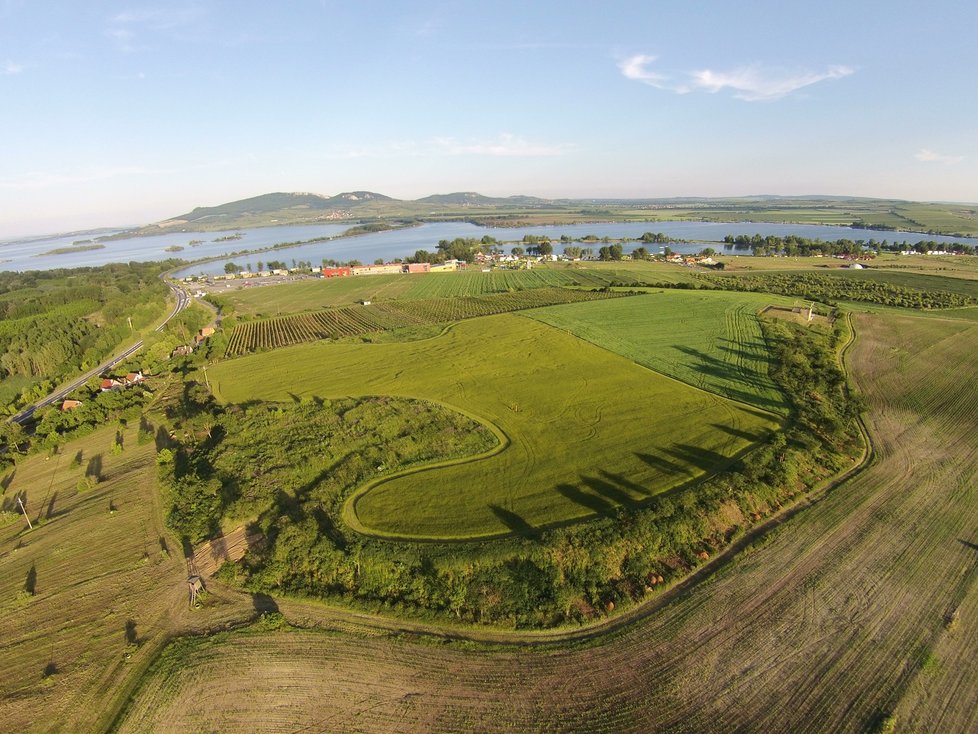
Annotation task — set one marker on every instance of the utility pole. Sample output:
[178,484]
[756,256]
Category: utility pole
[206,381]
[21,503]
[129,319]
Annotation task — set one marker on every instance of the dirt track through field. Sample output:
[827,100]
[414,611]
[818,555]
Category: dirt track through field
[832,622]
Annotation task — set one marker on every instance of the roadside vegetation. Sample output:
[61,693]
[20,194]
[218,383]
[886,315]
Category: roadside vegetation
[55,324]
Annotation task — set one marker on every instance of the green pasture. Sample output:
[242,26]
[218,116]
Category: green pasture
[583,431]
[944,218]
[710,339]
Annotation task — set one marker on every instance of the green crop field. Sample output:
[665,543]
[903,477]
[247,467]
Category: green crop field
[708,339]
[359,321]
[582,430]
[315,295]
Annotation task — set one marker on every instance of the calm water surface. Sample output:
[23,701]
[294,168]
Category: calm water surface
[29,254]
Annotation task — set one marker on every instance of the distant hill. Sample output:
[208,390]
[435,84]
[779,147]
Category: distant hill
[471,198]
[269,204]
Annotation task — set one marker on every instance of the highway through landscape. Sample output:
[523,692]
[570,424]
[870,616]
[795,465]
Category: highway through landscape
[182,301]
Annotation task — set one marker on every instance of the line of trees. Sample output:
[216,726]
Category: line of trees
[794,245]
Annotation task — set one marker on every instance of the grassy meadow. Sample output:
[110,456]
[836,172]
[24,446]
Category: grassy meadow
[709,339]
[582,430]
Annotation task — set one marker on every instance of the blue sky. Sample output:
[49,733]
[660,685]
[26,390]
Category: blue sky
[117,113]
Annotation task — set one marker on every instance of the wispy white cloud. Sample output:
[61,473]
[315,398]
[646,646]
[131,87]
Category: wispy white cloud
[10,68]
[636,68]
[504,145]
[160,19]
[929,156]
[36,180]
[753,84]
[749,83]
[129,27]
[52,179]
[380,150]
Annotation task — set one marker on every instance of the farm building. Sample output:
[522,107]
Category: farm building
[418,268]
[182,351]
[109,383]
[70,404]
[445,267]
[387,269]
[336,272]
[134,378]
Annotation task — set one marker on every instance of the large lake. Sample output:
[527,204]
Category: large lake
[29,254]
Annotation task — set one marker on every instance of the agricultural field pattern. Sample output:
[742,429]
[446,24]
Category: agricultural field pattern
[502,428]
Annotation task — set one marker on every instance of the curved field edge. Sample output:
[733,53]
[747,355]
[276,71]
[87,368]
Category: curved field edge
[572,412]
[825,625]
[349,514]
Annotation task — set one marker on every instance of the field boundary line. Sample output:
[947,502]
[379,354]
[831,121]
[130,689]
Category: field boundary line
[641,610]
[348,512]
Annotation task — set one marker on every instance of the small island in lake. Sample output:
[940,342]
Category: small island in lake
[70,249]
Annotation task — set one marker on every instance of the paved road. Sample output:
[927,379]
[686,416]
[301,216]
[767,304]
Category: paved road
[183,300]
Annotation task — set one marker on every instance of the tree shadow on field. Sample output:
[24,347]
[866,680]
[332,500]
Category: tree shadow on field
[592,502]
[663,464]
[609,491]
[738,433]
[162,439]
[131,637]
[628,484]
[263,604]
[702,458]
[7,479]
[968,544]
[50,513]
[94,468]
[514,522]
[30,583]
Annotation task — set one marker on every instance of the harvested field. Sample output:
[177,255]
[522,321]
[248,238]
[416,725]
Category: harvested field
[87,595]
[836,621]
